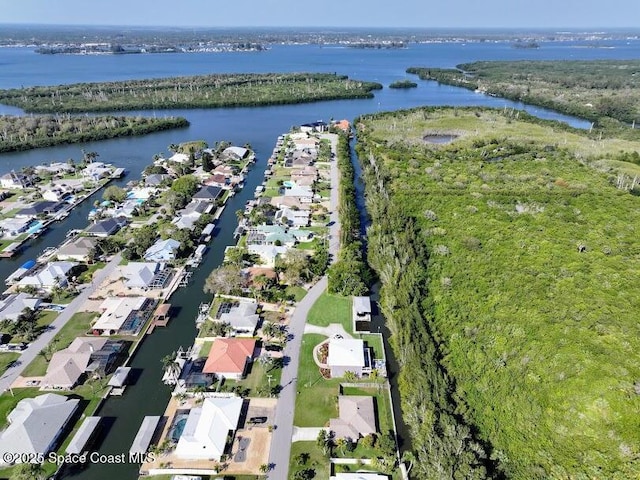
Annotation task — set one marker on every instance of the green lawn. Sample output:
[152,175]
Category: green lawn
[6,358]
[316,401]
[257,381]
[204,350]
[316,460]
[375,342]
[331,309]
[87,275]
[297,292]
[76,326]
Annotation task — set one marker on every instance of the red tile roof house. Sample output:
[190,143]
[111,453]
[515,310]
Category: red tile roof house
[230,357]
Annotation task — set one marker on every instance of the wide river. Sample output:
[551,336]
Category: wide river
[257,126]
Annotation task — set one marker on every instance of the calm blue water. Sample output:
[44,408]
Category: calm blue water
[257,126]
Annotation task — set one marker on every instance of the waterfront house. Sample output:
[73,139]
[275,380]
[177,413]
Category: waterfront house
[12,227]
[15,181]
[13,304]
[162,251]
[235,153]
[106,227]
[56,193]
[54,274]
[123,315]
[156,179]
[357,417]
[300,158]
[97,170]
[267,253]
[293,217]
[35,425]
[291,202]
[207,429]
[318,126]
[304,194]
[83,355]
[348,355]
[230,357]
[208,193]
[218,180]
[54,168]
[270,235]
[140,274]
[242,317]
[39,209]
[79,249]
[179,158]
[361,314]
[186,221]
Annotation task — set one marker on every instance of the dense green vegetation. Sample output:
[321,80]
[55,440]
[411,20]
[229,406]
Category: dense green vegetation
[25,133]
[349,274]
[203,91]
[508,260]
[598,90]
[403,84]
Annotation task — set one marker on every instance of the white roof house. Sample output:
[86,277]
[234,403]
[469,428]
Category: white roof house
[116,311]
[12,227]
[162,250]
[78,249]
[12,306]
[187,220]
[179,158]
[294,218]
[346,355]
[140,274]
[236,152]
[36,423]
[53,274]
[305,194]
[242,318]
[267,253]
[207,428]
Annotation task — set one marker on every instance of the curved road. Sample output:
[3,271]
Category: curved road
[61,320]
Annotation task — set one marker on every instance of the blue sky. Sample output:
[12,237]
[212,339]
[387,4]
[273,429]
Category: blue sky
[365,13]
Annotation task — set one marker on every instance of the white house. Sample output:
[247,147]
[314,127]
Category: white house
[294,218]
[122,315]
[267,253]
[12,305]
[162,250]
[77,249]
[52,275]
[14,180]
[207,428]
[346,355]
[140,274]
[35,425]
[304,194]
[12,227]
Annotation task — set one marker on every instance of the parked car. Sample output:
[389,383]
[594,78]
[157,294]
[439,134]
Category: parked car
[258,420]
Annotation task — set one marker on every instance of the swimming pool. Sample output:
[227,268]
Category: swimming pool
[36,227]
[289,183]
[177,426]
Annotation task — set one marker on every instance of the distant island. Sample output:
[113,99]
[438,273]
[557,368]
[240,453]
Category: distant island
[201,91]
[526,45]
[403,84]
[378,45]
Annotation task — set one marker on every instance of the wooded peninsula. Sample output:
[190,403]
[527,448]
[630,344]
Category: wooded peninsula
[598,90]
[201,91]
[37,131]
[507,251]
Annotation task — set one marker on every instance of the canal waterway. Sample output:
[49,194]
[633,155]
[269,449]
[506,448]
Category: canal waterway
[258,126]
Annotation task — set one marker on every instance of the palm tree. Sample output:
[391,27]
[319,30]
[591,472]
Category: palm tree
[408,457]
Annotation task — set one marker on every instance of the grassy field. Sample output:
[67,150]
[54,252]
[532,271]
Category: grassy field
[317,400]
[316,460]
[203,91]
[257,381]
[531,280]
[331,309]
[76,326]
[589,89]
[6,359]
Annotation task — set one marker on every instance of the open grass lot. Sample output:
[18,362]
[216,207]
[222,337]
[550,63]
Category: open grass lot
[532,281]
[316,460]
[6,359]
[331,309]
[297,292]
[588,89]
[257,381]
[78,325]
[316,402]
[375,342]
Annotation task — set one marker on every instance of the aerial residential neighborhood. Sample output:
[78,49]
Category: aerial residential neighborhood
[110,284]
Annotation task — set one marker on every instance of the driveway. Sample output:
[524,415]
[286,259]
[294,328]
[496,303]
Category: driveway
[61,320]
[306,434]
[333,330]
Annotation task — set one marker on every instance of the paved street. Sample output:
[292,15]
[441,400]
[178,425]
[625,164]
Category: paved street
[37,345]
[283,433]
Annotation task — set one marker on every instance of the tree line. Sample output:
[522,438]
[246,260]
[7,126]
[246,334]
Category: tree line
[39,131]
[201,91]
